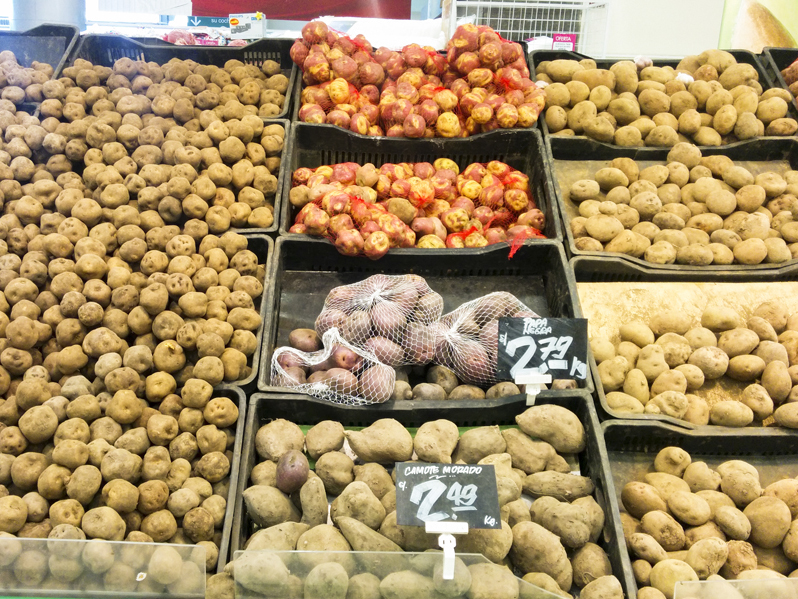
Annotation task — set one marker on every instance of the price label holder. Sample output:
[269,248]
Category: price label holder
[533,351]
[447,499]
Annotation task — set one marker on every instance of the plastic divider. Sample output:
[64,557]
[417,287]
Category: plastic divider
[774,61]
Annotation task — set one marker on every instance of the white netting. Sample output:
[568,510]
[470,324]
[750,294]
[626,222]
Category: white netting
[340,372]
[388,316]
[466,339]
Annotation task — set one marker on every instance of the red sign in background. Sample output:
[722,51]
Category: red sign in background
[305,10]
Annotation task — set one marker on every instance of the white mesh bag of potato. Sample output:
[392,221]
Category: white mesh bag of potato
[388,316]
[339,372]
[466,339]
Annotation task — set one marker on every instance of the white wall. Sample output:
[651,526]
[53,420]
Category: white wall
[662,28]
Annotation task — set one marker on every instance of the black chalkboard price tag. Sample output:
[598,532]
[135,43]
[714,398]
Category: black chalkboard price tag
[534,346]
[447,493]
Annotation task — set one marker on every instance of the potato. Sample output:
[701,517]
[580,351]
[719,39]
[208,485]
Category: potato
[707,556]
[384,441]
[276,438]
[336,470]
[405,584]
[666,573]
[268,506]
[640,498]
[740,481]
[665,530]
[535,549]
[324,437]
[556,425]
[731,413]
[436,440]
[770,520]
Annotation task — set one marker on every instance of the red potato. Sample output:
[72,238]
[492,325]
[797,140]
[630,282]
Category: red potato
[414,55]
[361,58]
[316,67]
[491,125]
[428,226]
[348,109]
[429,111]
[414,126]
[448,125]
[423,170]
[482,113]
[480,77]
[402,108]
[491,179]
[502,170]
[316,95]
[371,112]
[459,87]
[341,222]
[366,175]
[475,172]
[483,214]
[408,238]
[442,187]
[468,102]
[464,203]
[468,188]
[377,382]
[315,32]
[514,97]
[289,359]
[516,200]
[496,101]
[335,202]
[426,92]
[495,235]
[345,45]
[349,243]
[467,62]
[341,381]
[294,376]
[533,218]
[511,51]
[382,54]
[523,231]
[318,376]
[455,220]
[513,179]
[490,54]
[387,351]
[377,244]
[395,66]
[316,221]
[446,99]
[343,357]
[528,115]
[507,116]
[492,196]
[414,76]
[339,118]
[319,182]
[475,240]
[362,43]
[370,92]
[301,176]
[359,123]
[465,38]
[339,90]
[376,131]
[345,67]
[400,188]
[395,131]
[328,319]
[312,113]
[393,227]
[406,91]
[436,64]
[304,340]
[421,193]
[299,52]
[299,228]
[489,36]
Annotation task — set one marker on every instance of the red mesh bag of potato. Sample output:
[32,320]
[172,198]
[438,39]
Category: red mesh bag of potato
[388,316]
[339,373]
[466,340]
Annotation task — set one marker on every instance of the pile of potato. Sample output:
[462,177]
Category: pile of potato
[710,99]
[20,84]
[367,211]
[688,521]
[656,365]
[694,210]
[482,84]
[552,544]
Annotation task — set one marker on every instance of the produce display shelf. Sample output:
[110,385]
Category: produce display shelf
[592,461]
[611,270]
[632,447]
[45,43]
[567,152]
[742,56]
[106,49]
[263,247]
[305,270]
[775,60]
[522,149]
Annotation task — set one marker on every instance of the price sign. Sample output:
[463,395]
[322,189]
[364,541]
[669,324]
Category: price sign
[555,346]
[447,493]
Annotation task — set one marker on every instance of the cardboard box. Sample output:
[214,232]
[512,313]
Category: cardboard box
[247,26]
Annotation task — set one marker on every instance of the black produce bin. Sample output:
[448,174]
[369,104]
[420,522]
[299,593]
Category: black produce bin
[742,56]
[106,49]
[592,461]
[240,399]
[314,145]
[610,269]
[305,270]
[632,447]
[45,43]
[775,60]
[263,247]
[756,150]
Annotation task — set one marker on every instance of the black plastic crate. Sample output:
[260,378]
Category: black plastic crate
[305,270]
[107,49]
[522,149]
[592,461]
[775,60]
[240,400]
[742,56]
[263,246]
[610,269]
[632,447]
[755,150]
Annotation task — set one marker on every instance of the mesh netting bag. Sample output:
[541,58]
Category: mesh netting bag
[467,339]
[339,373]
[388,316]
